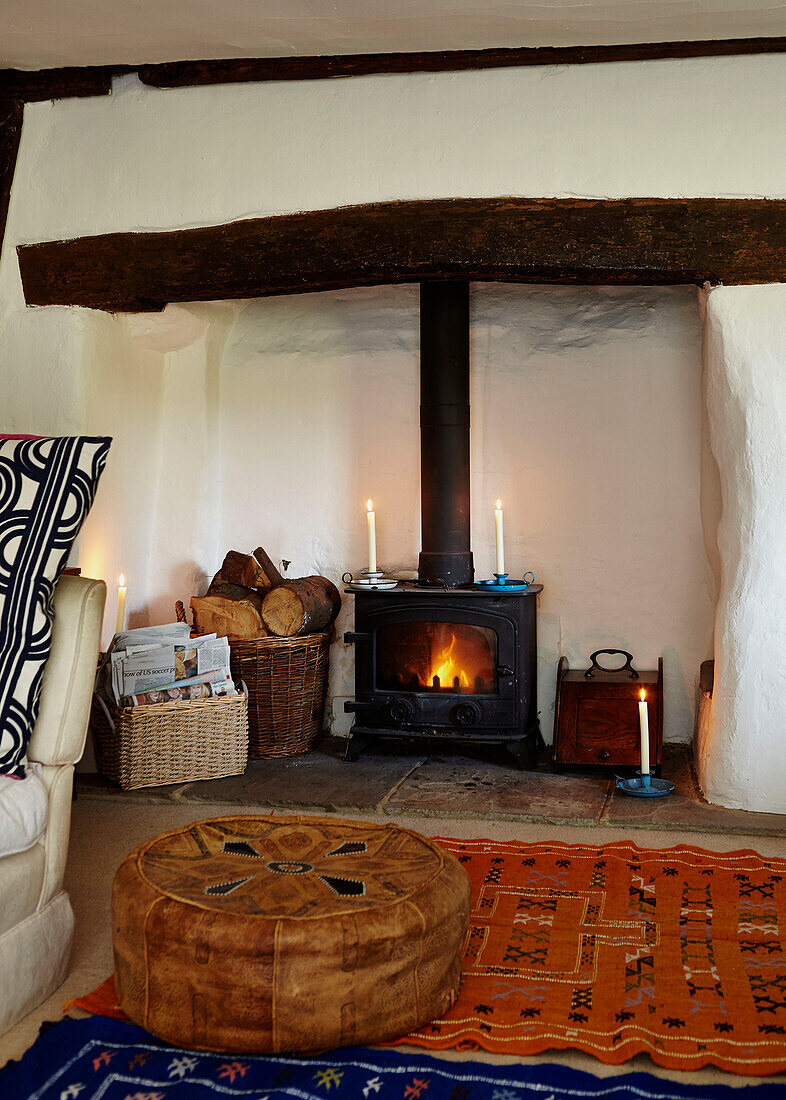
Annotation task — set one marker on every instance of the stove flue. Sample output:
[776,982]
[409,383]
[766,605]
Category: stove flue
[445,556]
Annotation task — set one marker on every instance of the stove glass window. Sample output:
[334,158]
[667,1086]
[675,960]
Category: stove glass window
[437,657]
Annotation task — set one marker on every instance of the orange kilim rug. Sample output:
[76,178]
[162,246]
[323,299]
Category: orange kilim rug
[616,950]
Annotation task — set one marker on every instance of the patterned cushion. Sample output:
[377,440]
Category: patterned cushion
[46,489]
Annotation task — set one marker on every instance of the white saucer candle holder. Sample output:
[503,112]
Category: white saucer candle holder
[370,580]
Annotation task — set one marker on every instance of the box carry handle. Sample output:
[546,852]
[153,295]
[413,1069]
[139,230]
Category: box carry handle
[596,667]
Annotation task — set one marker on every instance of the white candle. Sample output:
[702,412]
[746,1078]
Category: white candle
[500,546]
[372,538]
[121,604]
[644,729]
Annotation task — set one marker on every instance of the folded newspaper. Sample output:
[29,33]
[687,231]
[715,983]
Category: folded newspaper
[158,664]
[180,694]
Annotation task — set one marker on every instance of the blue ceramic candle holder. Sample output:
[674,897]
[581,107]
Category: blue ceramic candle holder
[500,583]
[644,786]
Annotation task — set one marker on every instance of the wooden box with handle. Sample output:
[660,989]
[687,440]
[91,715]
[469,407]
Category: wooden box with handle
[596,715]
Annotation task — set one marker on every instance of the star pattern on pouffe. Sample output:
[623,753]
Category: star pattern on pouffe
[275,868]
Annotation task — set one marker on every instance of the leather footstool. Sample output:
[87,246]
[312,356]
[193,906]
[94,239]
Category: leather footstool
[287,933]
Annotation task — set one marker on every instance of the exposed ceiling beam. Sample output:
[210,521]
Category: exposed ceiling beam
[592,241]
[11,111]
[180,74]
[96,80]
[44,84]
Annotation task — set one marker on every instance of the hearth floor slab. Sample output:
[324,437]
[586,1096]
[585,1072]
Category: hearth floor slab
[317,780]
[686,808]
[393,781]
[478,789]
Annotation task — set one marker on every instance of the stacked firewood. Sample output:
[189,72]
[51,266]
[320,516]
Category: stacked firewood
[248,599]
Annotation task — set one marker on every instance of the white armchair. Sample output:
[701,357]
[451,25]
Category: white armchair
[36,919]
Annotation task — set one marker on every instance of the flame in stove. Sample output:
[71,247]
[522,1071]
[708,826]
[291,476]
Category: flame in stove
[447,669]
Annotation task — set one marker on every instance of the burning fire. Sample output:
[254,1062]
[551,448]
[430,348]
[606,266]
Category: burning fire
[436,656]
[447,669]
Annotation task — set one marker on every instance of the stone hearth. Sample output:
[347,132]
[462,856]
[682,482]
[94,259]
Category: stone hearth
[474,784]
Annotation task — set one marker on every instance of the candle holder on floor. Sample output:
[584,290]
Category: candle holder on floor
[644,786]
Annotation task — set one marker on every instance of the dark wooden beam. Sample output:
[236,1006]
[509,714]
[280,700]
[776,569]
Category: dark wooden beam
[41,84]
[91,80]
[183,74]
[11,111]
[593,241]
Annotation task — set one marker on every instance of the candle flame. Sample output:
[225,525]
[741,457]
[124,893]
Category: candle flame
[122,580]
[370,505]
[499,505]
[643,695]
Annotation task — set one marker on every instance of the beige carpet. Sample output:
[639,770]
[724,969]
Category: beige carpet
[102,833]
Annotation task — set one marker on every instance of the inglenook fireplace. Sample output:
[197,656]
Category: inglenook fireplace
[440,657]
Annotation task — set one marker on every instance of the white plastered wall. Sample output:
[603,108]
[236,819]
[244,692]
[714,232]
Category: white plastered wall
[741,746]
[273,421]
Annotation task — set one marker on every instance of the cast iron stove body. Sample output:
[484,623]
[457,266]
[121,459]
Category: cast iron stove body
[456,664]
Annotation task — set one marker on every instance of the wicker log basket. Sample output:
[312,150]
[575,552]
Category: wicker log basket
[286,680]
[150,746]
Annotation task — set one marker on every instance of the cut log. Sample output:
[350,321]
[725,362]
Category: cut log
[242,569]
[234,592]
[254,572]
[239,620]
[272,574]
[303,606]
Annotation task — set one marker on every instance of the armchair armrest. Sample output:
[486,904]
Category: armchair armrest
[59,734]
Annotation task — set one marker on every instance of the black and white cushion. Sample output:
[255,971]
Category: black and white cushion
[46,490]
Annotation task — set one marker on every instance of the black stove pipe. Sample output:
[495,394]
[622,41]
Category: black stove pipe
[445,557]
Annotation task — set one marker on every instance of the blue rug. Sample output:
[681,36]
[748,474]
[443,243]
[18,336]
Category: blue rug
[102,1059]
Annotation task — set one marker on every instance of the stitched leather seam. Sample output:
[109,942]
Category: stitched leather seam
[151,907]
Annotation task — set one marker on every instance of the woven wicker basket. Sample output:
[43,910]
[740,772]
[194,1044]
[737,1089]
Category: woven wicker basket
[149,746]
[286,680]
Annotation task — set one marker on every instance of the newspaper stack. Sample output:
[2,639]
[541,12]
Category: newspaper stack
[163,664]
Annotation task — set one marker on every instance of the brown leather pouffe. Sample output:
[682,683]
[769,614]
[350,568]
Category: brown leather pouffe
[287,933]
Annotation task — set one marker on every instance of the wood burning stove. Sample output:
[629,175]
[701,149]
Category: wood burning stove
[456,664]
[443,657]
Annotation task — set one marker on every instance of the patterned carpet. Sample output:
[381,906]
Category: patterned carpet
[100,1059]
[617,950]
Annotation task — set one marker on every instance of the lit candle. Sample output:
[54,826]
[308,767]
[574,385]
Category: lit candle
[372,538]
[121,603]
[644,729]
[500,546]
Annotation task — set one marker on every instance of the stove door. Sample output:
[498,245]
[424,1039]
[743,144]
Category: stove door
[429,667]
[437,657]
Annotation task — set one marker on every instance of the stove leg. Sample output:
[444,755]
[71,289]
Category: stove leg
[521,753]
[526,751]
[355,747]
[536,743]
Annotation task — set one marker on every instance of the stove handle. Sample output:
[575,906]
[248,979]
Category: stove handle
[352,705]
[351,637]
[505,670]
